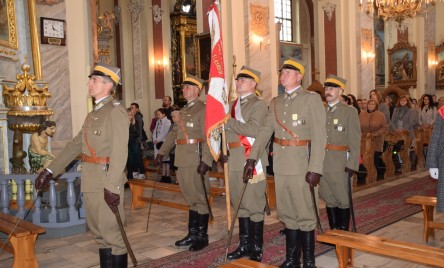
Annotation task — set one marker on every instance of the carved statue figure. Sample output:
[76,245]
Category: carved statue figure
[39,156]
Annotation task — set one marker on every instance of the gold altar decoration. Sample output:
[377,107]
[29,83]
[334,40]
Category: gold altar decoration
[26,100]
[396,10]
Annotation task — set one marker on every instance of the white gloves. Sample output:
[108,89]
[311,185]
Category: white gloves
[433,173]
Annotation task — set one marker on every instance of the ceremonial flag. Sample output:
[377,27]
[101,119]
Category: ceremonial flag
[217,105]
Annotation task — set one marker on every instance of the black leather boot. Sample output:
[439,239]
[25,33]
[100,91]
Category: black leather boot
[192,230]
[105,257]
[292,249]
[202,233]
[332,214]
[257,240]
[308,247]
[244,240]
[344,218]
[120,261]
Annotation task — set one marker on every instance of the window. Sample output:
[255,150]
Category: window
[282,11]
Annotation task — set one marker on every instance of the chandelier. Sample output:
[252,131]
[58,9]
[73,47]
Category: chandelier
[396,10]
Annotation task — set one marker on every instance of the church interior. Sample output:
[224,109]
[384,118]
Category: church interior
[48,48]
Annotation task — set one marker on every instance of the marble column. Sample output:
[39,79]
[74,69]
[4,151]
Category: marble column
[135,7]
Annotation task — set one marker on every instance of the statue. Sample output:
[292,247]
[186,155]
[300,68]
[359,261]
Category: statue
[39,156]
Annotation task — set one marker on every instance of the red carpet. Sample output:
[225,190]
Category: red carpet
[372,212]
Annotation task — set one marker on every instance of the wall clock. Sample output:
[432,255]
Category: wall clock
[52,31]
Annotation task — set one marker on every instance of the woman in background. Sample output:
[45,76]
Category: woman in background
[160,132]
[427,112]
[373,124]
[133,161]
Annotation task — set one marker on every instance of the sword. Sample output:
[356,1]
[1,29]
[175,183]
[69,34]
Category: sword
[206,197]
[125,239]
[199,148]
[267,206]
[350,199]
[230,234]
[151,201]
[318,225]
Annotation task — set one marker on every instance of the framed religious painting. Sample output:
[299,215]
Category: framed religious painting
[8,26]
[402,65]
[203,57]
[440,66]
[289,49]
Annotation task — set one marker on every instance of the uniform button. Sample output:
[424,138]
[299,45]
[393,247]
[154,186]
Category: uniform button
[285,112]
[118,187]
[283,121]
[286,105]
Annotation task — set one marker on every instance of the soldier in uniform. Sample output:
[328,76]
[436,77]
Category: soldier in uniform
[341,153]
[193,159]
[103,145]
[298,155]
[247,113]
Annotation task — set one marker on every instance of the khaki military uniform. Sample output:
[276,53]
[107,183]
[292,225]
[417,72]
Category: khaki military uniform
[188,135]
[253,111]
[105,134]
[301,113]
[342,150]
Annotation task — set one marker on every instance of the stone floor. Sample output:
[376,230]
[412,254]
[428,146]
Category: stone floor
[167,225]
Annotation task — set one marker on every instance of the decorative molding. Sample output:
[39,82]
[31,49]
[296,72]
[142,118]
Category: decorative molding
[366,39]
[259,19]
[157,13]
[7,52]
[329,8]
[48,2]
[135,7]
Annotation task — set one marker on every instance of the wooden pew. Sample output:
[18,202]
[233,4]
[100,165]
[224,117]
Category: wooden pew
[419,147]
[346,242]
[22,240]
[387,156]
[428,204]
[244,263]
[368,158]
[139,201]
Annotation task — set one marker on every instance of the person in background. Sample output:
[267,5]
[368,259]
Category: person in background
[415,104]
[353,102]
[133,161]
[159,135]
[382,103]
[427,112]
[434,100]
[166,104]
[440,102]
[341,153]
[298,156]
[373,124]
[103,144]
[345,100]
[364,104]
[404,118]
[153,123]
[141,139]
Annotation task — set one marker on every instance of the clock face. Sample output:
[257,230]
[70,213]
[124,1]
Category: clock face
[53,28]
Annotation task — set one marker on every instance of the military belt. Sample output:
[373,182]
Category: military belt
[333,147]
[235,144]
[188,141]
[95,160]
[282,142]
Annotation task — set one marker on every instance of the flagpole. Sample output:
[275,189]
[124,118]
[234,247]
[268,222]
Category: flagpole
[227,180]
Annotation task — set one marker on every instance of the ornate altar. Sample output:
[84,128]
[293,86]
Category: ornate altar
[26,100]
[183,23]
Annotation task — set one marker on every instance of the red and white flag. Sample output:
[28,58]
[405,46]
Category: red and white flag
[217,105]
